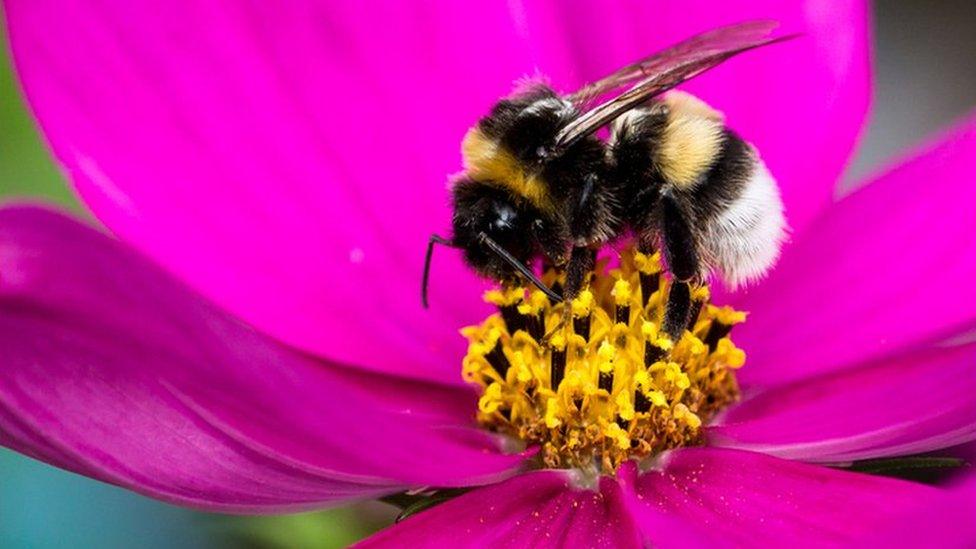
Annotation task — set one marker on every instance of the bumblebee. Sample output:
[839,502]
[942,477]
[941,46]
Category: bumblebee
[538,182]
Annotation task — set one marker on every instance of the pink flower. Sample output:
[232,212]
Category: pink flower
[950,519]
[253,340]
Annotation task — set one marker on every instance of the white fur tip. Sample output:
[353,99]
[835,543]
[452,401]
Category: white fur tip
[745,241]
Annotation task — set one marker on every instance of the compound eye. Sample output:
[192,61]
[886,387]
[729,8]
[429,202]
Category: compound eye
[505,217]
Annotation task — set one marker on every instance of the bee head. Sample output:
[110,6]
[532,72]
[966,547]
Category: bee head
[481,208]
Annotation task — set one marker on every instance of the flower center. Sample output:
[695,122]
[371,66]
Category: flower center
[610,385]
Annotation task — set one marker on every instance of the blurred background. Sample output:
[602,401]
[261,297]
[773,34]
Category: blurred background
[925,78]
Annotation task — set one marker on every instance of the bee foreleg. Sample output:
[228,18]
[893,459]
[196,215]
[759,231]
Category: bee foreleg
[434,239]
[681,253]
[520,267]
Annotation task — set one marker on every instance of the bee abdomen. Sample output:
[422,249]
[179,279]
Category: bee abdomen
[740,215]
[681,147]
[675,141]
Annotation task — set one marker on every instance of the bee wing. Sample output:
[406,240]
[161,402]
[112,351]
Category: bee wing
[661,72]
[714,41]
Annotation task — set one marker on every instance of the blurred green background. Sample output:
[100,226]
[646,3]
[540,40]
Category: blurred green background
[925,78]
[26,168]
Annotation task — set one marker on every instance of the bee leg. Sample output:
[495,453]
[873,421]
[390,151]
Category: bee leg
[681,253]
[578,270]
[678,310]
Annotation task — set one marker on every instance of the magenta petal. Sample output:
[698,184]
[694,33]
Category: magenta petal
[967,452]
[887,268]
[744,499]
[538,509]
[289,159]
[948,523]
[113,369]
[904,405]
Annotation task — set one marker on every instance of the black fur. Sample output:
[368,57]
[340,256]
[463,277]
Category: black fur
[638,178]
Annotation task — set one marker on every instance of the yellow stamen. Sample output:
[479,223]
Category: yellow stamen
[622,389]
